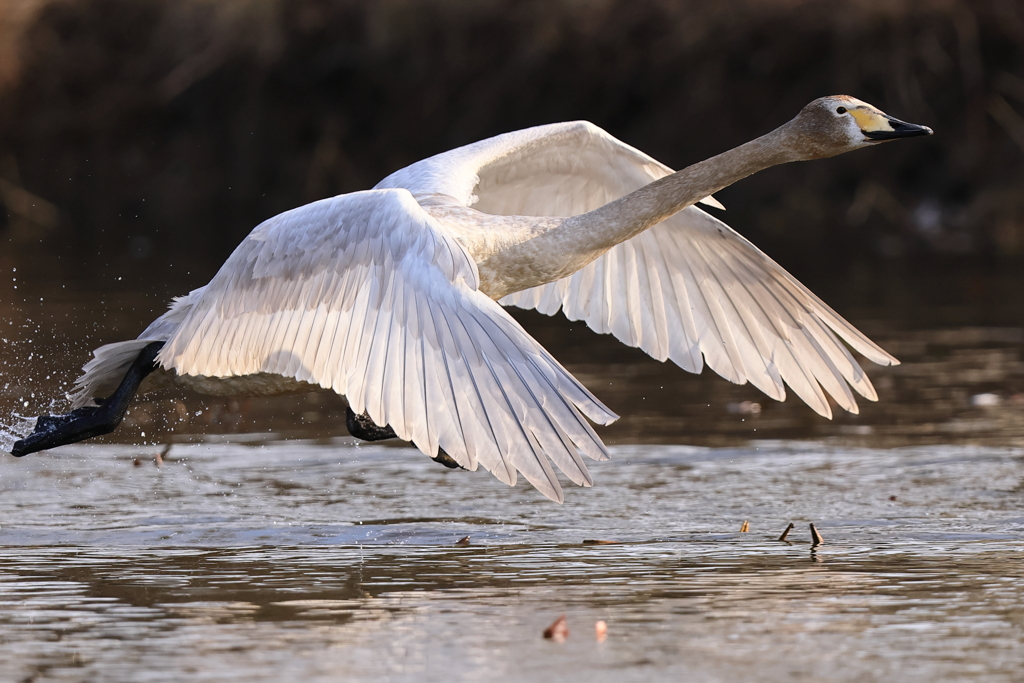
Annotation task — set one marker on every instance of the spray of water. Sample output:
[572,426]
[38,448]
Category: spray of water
[9,433]
[18,368]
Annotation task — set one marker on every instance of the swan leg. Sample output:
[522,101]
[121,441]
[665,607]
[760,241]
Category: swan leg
[85,423]
[362,427]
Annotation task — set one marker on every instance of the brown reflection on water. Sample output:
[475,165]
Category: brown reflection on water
[283,583]
[961,378]
[757,612]
[290,560]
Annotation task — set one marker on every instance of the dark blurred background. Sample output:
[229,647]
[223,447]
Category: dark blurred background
[140,140]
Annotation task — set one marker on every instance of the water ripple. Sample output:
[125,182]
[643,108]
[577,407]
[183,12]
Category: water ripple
[299,561]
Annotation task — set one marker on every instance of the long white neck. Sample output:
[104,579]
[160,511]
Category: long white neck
[575,241]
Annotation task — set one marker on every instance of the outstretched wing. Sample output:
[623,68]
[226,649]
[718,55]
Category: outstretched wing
[691,289]
[561,169]
[365,295]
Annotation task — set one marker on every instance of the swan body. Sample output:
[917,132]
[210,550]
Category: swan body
[393,296]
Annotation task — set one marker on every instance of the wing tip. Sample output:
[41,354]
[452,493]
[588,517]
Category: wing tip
[553,492]
[712,202]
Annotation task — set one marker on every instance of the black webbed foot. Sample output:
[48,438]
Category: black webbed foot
[59,430]
[47,423]
[446,460]
[362,427]
[85,423]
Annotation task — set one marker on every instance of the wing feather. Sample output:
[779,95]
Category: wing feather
[693,289]
[560,169]
[365,294]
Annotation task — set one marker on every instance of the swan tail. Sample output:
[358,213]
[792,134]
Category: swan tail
[102,375]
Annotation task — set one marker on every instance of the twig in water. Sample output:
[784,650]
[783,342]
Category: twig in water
[745,528]
[786,532]
[816,538]
[558,631]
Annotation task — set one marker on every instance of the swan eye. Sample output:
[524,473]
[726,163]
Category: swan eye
[840,110]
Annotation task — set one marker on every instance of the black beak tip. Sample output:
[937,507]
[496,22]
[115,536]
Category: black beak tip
[900,129]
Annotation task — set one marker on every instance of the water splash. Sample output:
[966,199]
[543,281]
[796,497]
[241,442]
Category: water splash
[10,433]
[28,383]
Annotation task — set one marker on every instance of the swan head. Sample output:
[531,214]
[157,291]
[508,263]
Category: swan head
[839,123]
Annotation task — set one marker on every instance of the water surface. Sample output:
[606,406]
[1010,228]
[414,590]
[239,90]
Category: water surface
[304,561]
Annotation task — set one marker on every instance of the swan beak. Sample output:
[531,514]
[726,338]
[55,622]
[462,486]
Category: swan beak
[880,127]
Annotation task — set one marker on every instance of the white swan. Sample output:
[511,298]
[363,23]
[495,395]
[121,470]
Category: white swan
[391,296]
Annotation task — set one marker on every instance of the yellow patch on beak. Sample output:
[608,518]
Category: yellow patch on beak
[871,121]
